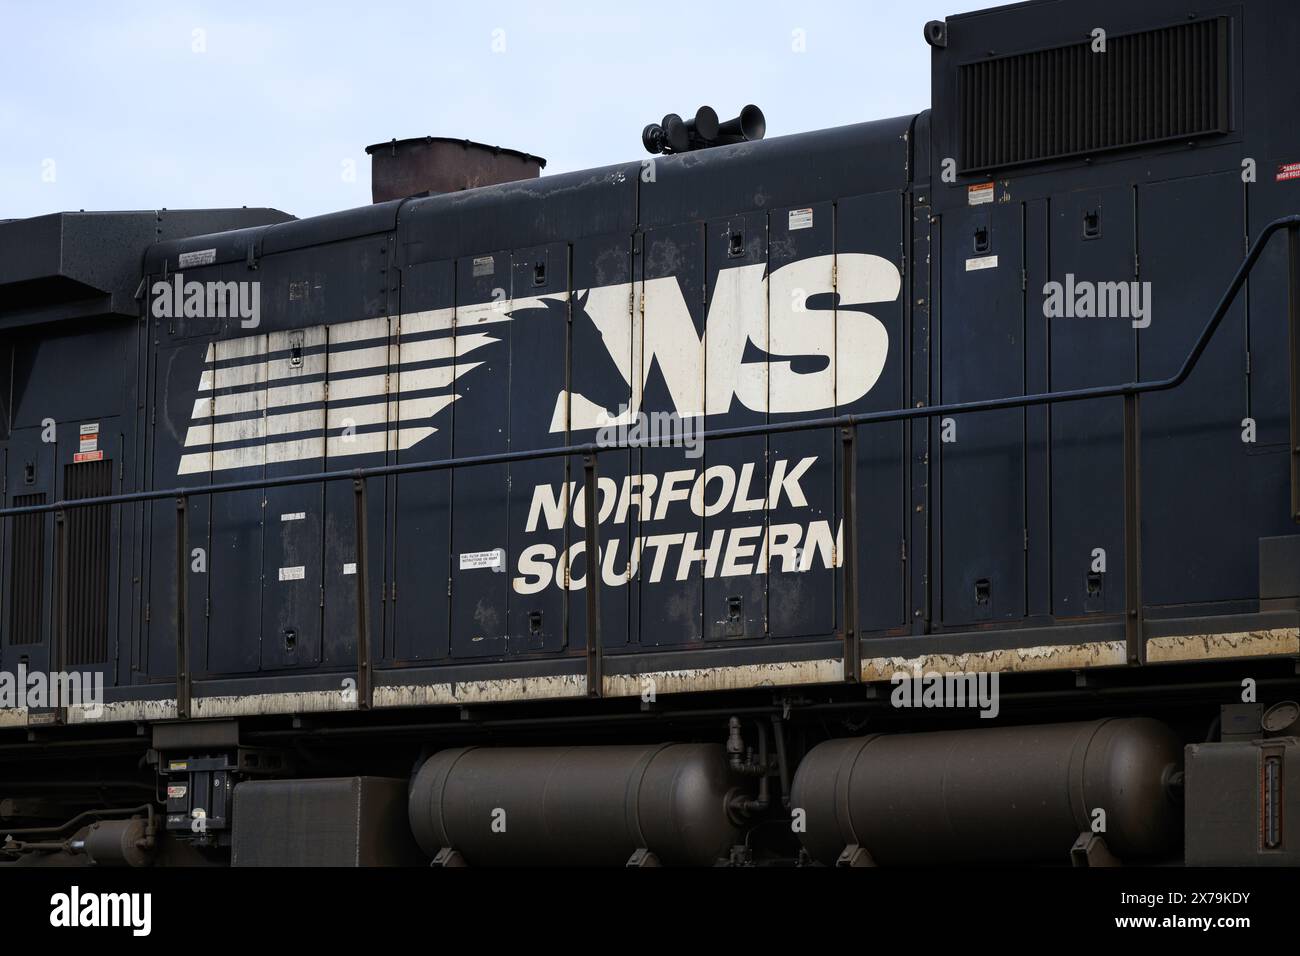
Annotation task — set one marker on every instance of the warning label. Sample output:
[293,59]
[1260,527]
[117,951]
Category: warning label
[82,456]
[496,560]
[982,262]
[293,574]
[203,257]
[1288,171]
[979,194]
[89,438]
[801,219]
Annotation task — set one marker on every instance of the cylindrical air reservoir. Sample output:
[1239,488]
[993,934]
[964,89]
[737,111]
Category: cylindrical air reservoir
[575,805]
[988,795]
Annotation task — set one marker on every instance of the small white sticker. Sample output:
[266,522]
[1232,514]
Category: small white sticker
[982,262]
[89,438]
[350,568]
[294,516]
[800,219]
[293,574]
[496,560]
[204,257]
[979,194]
[484,266]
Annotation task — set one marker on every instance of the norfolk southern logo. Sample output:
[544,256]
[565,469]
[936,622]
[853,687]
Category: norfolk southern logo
[798,339]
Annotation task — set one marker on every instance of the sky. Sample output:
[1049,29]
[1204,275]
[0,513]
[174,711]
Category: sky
[198,103]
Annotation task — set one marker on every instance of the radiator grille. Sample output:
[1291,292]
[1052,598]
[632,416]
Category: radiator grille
[1150,87]
[26,573]
[87,538]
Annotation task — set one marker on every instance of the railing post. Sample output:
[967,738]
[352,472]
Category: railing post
[183,683]
[848,566]
[59,645]
[364,671]
[1134,637]
[1293,340]
[595,650]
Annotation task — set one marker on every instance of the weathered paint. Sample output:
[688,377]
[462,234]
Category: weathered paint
[125,710]
[1011,660]
[481,692]
[299,702]
[740,677]
[1206,647]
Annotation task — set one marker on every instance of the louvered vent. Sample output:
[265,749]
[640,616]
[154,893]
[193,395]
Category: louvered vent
[27,573]
[88,542]
[1151,87]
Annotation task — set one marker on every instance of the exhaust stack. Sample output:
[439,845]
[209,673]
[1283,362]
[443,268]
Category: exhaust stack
[429,165]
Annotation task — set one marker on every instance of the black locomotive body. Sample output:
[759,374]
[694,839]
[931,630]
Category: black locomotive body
[351,465]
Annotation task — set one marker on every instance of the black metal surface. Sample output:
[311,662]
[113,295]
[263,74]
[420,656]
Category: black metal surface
[88,541]
[337,821]
[1144,88]
[26,567]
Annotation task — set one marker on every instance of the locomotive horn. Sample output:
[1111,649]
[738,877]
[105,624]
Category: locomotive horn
[749,126]
[703,129]
[671,135]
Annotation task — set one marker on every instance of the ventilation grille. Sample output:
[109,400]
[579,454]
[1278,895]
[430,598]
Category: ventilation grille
[1150,87]
[86,538]
[27,573]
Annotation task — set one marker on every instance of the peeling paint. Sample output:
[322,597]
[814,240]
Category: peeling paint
[1203,647]
[1284,642]
[1043,658]
[252,705]
[482,691]
[124,710]
[782,674]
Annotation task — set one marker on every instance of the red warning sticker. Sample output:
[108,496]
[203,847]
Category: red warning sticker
[81,456]
[1288,171]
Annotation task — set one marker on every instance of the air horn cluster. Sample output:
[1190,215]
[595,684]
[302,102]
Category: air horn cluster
[676,135]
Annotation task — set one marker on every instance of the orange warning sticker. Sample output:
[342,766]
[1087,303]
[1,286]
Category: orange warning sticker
[81,456]
[979,194]
[1288,171]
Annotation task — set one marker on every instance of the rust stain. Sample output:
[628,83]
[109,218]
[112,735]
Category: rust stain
[1206,647]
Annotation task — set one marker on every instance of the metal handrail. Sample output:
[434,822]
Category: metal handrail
[848,424]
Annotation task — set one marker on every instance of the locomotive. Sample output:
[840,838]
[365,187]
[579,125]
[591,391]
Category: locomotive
[919,491]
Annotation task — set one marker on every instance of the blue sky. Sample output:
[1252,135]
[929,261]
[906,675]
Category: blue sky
[126,105]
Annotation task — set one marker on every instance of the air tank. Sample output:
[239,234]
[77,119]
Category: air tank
[1007,794]
[592,806]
